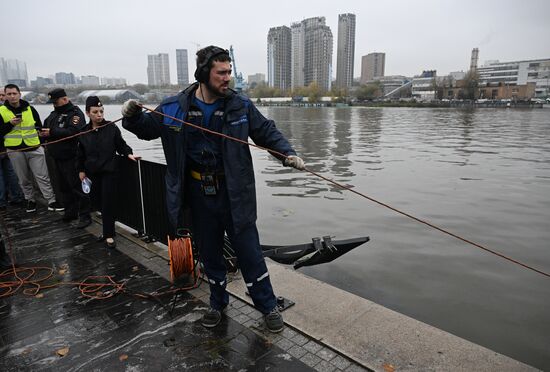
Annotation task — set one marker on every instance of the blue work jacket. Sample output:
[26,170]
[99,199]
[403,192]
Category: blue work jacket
[241,120]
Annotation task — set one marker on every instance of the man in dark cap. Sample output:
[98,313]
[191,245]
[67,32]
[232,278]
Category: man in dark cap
[64,121]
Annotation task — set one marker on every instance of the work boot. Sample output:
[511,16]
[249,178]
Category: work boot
[55,206]
[31,206]
[274,321]
[212,318]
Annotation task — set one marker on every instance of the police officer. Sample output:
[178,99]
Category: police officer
[215,177]
[64,121]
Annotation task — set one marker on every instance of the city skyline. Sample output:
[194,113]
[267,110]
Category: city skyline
[415,36]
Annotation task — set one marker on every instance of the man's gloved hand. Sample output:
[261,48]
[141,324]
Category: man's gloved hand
[295,162]
[130,108]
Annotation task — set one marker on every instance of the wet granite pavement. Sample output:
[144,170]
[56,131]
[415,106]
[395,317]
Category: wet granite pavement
[122,333]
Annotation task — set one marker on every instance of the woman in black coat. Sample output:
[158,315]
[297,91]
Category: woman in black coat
[96,160]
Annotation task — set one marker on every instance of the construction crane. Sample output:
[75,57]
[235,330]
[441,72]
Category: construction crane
[239,81]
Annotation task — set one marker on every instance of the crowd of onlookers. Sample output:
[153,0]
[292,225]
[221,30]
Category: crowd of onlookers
[33,153]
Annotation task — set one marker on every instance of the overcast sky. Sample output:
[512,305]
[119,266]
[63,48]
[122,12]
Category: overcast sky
[112,38]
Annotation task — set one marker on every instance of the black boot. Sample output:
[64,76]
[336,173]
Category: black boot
[5,261]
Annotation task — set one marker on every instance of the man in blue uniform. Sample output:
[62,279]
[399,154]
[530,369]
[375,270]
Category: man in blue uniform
[214,177]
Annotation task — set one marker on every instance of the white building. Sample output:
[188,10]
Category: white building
[158,69]
[112,95]
[517,73]
[424,85]
[113,82]
[90,80]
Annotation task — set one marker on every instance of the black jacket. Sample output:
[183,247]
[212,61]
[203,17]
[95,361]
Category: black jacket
[97,149]
[241,120]
[64,121]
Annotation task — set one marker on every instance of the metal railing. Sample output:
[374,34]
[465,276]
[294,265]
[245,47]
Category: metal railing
[141,202]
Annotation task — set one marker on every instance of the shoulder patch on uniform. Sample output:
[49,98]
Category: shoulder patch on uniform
[75,120]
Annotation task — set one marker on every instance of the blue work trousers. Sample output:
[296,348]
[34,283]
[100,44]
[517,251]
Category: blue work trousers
[211,218]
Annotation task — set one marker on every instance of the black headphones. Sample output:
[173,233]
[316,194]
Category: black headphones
[202,73]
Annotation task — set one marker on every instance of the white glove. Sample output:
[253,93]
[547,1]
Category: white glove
[130,108]
[295,162]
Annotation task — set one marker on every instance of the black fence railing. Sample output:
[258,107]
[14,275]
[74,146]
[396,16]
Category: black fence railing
[141,202]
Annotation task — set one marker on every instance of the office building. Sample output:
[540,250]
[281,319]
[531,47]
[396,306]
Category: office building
[372,66]
[345,51]
[255,79]
[279,57]
[14,71]
[182,67]
[41,82]
[113,82]
[90,80]
[158,69]
[65,78]
[424,85]
[495,73]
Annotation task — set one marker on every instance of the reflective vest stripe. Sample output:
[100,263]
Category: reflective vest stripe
[24,132]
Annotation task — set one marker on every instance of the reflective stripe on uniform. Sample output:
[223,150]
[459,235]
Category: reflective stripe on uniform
[212,281]
[265,275]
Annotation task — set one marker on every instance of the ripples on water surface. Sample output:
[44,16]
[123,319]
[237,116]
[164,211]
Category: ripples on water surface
[481,174]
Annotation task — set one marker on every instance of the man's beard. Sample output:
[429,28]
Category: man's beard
[216,92]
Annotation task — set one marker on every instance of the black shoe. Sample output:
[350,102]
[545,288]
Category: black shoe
[55,206]
[100,238]
[111,245]
[84,222]
[211,318]
[68,218]
[274,321]
[31,206]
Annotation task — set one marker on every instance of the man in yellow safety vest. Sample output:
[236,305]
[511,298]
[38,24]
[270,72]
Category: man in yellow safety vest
[19,127]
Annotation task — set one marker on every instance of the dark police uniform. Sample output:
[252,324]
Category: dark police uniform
[97,158]
[66,121]
[191,154]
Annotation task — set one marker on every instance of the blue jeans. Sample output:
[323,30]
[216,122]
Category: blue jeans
[9,184]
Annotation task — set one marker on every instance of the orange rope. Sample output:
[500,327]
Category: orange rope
[180,251]
[64,138]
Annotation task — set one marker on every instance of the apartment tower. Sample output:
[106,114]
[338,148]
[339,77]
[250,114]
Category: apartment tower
[372,66]
[279,57]
[345,52]
[182,67]
[317,53]
[158,69]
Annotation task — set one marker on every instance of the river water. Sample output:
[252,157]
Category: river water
[482,174]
